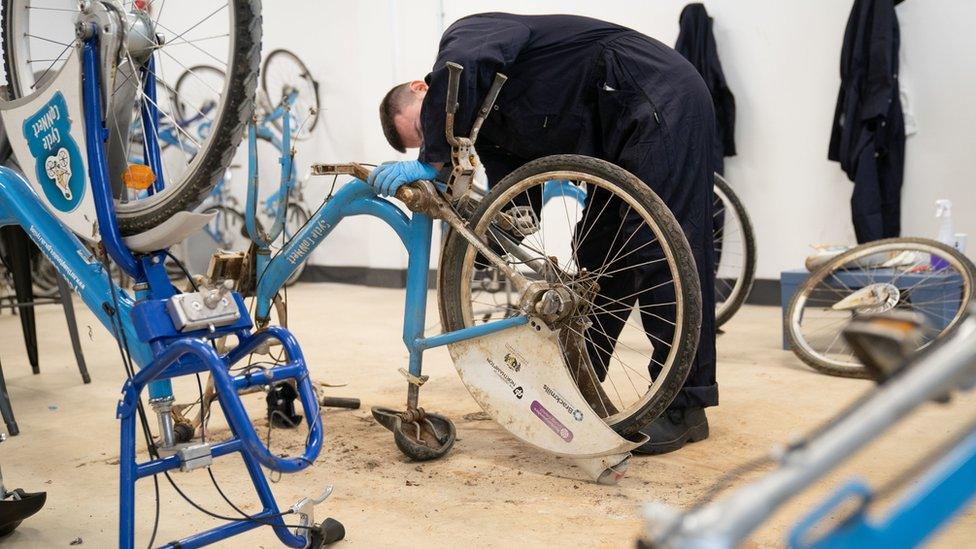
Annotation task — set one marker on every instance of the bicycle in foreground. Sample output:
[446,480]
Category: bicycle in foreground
[930,493]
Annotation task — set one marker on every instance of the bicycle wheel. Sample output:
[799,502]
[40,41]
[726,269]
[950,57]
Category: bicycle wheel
[914,274]
[295,218]
[735,252]
[194,98]
[37,40]
[633,332]
[283,69]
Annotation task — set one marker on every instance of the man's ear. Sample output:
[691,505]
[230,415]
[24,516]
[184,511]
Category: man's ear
[417,86]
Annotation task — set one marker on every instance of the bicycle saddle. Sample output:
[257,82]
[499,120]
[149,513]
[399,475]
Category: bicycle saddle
[172,231]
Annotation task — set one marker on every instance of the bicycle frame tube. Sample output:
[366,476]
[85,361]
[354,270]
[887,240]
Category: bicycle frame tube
[275,204]
[150,122]
[555,188]
[83,272]
[358,198]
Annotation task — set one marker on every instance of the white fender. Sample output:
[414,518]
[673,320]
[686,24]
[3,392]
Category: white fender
[520,379]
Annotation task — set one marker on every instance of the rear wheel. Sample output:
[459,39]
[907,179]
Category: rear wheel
[37,41]
[195,100]
[282,71]
[735,251]
[632,334]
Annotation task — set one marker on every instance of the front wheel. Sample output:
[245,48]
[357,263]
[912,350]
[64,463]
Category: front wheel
[37,40]
[633,329]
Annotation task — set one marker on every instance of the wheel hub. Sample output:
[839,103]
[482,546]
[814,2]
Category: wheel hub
[871,299]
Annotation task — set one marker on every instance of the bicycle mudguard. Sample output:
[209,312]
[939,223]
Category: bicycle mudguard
[520,379]
[47,135]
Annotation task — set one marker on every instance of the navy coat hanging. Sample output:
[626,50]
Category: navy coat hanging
[697,43]
[868,137]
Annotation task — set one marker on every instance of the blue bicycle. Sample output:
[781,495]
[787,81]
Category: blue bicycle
[76,73]
[605,359]
[286,80]
[917,502]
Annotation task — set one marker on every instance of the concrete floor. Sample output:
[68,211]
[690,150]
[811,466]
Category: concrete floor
[489,491]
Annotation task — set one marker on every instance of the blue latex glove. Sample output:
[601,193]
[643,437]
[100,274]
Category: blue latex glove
[390,176]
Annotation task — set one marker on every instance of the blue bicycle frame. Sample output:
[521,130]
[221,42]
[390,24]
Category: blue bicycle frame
[355,198]
[156,345]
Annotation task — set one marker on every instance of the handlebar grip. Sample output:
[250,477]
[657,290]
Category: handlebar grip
[341,402]
[453,83]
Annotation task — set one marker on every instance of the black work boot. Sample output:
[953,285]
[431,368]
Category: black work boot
[673,429]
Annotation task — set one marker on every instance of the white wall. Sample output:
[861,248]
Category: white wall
[781,58]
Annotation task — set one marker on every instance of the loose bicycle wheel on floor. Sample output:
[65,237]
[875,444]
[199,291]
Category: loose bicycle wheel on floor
[38,39]
[633,331]
[909,274]
[283,70]
[735,252]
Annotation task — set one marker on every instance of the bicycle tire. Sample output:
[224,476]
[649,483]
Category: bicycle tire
[451,276]
[792,328]
[235,112]
[282,53]
[743,286]
[184,80]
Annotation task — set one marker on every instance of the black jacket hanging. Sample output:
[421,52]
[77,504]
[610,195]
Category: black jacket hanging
[697,44]
[868,137]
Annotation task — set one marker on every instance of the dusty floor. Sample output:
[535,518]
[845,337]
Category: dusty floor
[489,491]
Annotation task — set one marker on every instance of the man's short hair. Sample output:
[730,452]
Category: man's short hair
[393,102]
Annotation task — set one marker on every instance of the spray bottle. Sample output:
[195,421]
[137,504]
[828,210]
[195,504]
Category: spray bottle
[943,211]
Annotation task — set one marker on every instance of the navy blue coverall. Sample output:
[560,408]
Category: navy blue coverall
[583,86]
[868,135]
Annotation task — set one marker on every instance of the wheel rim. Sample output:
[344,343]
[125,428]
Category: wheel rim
[860,283]
[731,253]
[194,95]
[194,31]
[281,70]
[628,384]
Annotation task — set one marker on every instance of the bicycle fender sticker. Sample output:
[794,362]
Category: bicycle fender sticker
[551,421]
[58,163]
[47,135]
[521,380]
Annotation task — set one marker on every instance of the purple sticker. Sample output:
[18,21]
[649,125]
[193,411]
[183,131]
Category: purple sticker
[551,421]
